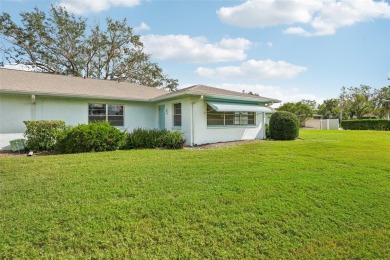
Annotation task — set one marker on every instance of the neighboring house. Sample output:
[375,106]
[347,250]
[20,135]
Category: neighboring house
[204,114]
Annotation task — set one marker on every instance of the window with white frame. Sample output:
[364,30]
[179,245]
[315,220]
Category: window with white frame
[215,118]
[106,112]
[177,114]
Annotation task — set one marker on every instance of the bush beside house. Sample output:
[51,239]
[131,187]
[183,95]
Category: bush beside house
[154,138]
[92,137]
[43,135]
[284,126]
[173,140]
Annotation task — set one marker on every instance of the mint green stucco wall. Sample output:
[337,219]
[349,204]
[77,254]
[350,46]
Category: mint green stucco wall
[14,109]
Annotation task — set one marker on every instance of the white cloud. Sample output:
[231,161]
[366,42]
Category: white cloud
[142,27]
[257,14]
[195,49]
[269,44]
[95,6]
[300,96]
[324,17]
[297,31]
[263,90]
[238,43]
[252,69]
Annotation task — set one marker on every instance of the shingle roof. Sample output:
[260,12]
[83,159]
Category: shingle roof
[212,91]
[28,82]
[16,81]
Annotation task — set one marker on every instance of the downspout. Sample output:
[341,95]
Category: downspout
[192,120]
[33,108]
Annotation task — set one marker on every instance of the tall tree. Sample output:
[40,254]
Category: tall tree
[302,109]
[330,108]
[60,42]
[381,101]
[356,101]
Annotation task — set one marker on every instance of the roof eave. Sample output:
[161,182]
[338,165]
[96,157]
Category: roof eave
[216,96]
[5,91]
[240,98]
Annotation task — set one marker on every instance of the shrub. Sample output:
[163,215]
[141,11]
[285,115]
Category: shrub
[43,135]
[93,137]
[284,126]
[366,124]
[144,138]
[154,138]
[173,140]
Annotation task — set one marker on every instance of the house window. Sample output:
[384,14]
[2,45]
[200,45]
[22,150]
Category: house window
[106,112]
[177,114]
[215,118]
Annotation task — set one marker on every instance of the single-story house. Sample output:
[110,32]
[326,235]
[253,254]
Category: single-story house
[204,114]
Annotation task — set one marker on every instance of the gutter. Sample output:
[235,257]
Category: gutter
[65,95]
[175,95]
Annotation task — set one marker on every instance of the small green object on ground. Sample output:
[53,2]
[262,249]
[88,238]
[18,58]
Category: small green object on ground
[17,145]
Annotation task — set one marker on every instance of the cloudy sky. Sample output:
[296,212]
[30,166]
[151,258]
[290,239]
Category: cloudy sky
[285,49]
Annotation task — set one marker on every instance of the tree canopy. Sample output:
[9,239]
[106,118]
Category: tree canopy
[381,99]
[302,109]
[353,102]
[330,108]
[62,43]
[356,101]
[360,101]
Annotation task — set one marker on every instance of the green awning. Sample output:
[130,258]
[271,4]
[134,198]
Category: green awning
[237,107]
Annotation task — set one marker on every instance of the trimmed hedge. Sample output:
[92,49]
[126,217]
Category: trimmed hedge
[154,138]
[284,126]
[144,138]
[92,137]
[42,135]
[366,124]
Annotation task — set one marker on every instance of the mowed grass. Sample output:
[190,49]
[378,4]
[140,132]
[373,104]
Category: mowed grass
[326,195]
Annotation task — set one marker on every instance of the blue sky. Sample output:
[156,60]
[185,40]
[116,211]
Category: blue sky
[287,49]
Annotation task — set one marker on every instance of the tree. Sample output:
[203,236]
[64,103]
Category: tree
[310,103]
[61,43]
[330,108]
[302,109]
[380,99]
[356,101]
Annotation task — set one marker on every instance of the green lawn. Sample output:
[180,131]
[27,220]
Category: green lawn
[324,196]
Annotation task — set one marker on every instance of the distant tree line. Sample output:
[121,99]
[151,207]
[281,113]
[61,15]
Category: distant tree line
[353,102]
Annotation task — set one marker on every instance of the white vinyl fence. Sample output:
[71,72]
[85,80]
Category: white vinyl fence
[327,124]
